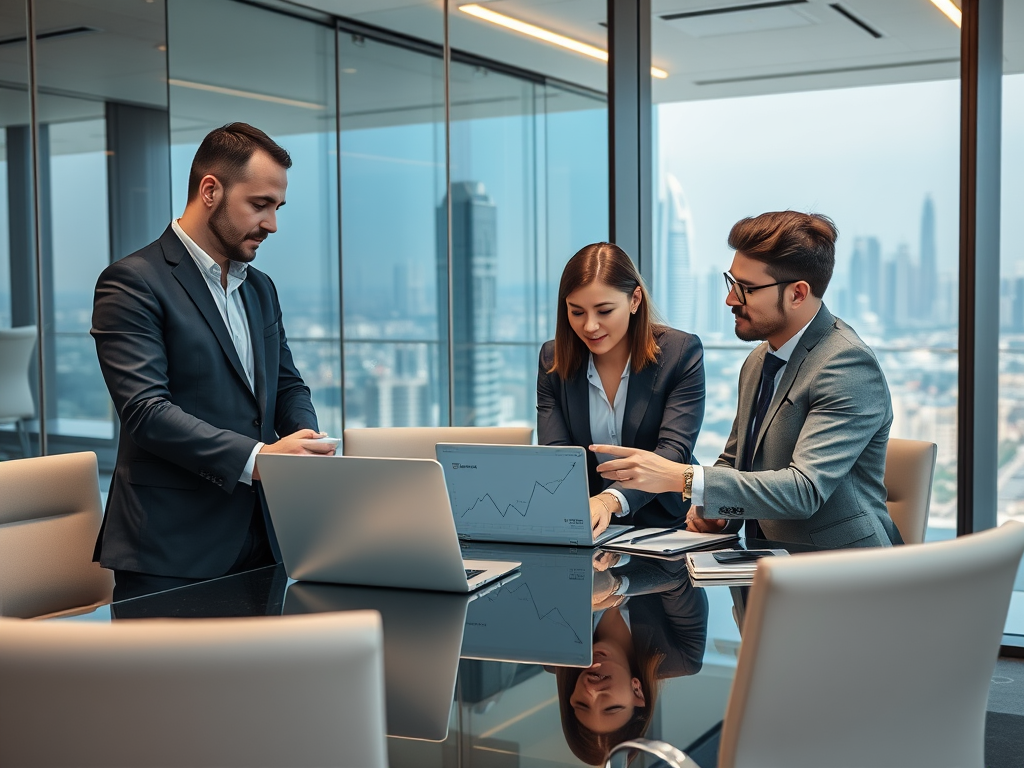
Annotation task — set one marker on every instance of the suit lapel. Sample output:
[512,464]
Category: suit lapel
[254,314]
[814,333]
[577,404]
[638,395]
[191,279]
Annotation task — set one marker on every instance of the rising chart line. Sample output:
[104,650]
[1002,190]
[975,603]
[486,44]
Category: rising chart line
[522,513]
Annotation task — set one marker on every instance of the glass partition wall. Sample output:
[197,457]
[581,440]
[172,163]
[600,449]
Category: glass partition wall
[126,90]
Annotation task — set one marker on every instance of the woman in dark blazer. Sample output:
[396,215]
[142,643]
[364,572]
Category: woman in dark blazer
[612,376]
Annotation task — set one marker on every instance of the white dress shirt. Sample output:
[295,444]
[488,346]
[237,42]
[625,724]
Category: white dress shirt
[606,419]
[783,353]
[232,312]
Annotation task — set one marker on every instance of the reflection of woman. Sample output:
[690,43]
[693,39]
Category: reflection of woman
[612,376]
[650,624]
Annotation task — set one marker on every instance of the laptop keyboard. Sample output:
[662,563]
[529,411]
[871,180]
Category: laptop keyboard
[471,572]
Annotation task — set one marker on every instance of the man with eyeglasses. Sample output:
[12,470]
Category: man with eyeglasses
[805,461]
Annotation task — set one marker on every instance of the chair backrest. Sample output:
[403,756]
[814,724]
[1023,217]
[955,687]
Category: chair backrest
[419,442]
[16,346]
[909,468]
[873,657]
[268,691]
[50,514]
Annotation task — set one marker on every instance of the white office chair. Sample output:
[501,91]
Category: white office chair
[870,658]
[16,404]
[419,442]
[50,514]
[268,691]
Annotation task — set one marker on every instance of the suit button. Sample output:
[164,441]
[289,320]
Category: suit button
[257,422]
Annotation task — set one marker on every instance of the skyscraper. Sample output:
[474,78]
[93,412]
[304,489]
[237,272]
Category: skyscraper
[674,286]
[927,274]
[474,235]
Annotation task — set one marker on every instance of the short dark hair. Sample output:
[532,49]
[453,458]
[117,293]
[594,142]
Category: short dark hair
[793,245]
[609,264]
[226,151]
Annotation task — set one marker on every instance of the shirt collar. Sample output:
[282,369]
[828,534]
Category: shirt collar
[786,350]
[592,374]
[203,260]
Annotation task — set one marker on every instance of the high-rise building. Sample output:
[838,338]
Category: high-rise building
[674,286]
[867,292]
[474,233]
[927,274]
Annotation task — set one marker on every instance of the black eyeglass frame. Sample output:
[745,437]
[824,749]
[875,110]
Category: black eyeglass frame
[742,290]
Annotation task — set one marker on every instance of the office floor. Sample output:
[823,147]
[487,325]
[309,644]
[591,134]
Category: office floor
[1004,725]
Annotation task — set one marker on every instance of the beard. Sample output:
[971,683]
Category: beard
[231,238]
[758,330]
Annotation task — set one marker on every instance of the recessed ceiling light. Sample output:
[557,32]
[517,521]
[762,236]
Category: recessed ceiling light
[532,30]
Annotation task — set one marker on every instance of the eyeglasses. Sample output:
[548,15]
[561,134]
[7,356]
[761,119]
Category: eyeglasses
[742,290]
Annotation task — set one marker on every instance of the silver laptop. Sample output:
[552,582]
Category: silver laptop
[419,442]
[535,494]
[367,521]
[543,617]
[422,640]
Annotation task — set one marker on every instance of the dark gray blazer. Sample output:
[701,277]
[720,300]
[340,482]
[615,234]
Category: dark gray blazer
[819,460]
[664,411]
[189,421]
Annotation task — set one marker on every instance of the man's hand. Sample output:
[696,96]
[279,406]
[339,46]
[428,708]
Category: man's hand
[639,469]
[696,523]
[298,443]
[604,595]
[605,560]
[602,507]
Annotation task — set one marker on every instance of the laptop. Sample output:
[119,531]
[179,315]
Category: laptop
[532,494]
[422,641]
[369,521]
[419,442]
[543,617]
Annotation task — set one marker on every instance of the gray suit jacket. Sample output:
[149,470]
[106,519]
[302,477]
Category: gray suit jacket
[819,460]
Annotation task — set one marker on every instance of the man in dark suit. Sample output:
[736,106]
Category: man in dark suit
[195,357]
[806,458]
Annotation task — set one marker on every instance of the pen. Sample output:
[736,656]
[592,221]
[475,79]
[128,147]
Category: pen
[653,535]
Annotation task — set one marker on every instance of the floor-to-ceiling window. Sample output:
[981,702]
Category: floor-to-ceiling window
[1011,296]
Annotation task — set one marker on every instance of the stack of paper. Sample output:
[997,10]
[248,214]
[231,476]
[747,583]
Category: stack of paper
[703,566]
[664,542]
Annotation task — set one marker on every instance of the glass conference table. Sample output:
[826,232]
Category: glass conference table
[484,680]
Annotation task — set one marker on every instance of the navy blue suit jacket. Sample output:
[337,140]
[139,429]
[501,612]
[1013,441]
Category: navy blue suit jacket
[664,411]
[189,421]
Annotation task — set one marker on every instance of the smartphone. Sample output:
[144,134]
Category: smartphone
[742,555]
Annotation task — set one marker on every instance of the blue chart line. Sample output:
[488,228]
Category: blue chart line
[560,621]
[522,512]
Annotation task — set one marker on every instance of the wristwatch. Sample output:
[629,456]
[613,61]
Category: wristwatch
[687,482]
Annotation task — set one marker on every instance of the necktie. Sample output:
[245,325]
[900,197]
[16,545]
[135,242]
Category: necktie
[772,364]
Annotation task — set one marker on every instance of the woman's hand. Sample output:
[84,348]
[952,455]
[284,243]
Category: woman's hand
[602,507]
[639,469]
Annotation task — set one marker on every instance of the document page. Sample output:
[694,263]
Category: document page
[664,541]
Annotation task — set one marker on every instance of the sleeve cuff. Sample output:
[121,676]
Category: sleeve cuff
[622,501]
[250,465]
[697,486]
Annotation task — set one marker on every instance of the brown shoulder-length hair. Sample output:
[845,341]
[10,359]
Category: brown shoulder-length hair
[593,748]
[609,264]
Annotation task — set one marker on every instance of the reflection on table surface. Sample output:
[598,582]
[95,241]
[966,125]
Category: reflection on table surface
[580,650]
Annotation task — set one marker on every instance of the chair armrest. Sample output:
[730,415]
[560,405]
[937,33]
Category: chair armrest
[669,756]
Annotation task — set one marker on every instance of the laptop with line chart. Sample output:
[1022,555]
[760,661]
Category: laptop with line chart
[534,494]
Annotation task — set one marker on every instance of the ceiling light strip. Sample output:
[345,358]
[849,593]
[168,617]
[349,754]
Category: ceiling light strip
[244,94]
[953,13]
[539,33]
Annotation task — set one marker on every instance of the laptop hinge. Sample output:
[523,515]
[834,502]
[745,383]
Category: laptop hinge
[574,543]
